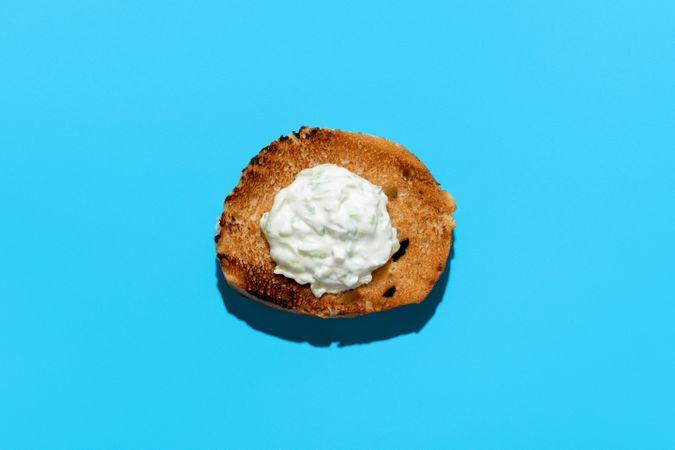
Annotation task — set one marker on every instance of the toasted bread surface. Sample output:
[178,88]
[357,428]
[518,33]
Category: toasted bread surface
[419,210]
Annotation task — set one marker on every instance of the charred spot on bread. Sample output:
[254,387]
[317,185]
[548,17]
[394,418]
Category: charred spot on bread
[302,132]
[263,296]
[401,251]
[389,292]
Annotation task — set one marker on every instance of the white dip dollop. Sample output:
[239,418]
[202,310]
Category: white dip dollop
[329,228]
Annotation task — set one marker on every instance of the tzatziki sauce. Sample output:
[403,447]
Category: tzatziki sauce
[329,228]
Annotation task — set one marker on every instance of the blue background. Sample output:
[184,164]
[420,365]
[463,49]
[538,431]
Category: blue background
[123,126]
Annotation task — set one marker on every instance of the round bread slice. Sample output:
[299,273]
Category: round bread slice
[420,211]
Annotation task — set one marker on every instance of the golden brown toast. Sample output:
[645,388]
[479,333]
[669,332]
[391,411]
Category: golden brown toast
[420,211]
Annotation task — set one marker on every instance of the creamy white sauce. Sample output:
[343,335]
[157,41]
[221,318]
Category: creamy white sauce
[329,228]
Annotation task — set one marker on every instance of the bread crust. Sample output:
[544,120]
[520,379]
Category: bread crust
[420,211]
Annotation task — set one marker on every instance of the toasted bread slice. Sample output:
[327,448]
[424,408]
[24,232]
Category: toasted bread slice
[420,211]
